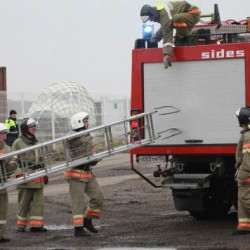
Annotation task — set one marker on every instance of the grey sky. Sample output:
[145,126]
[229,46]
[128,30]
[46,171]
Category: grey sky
[88,42]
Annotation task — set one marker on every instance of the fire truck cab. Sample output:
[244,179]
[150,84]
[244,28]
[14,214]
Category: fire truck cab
[195,100]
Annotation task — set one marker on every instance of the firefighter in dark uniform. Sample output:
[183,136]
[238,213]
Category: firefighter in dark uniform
[180,15]
[11,124]
[243,172]
[82,181]
[30,194]
[3,193]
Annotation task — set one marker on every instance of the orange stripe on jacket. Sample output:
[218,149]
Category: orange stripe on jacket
[194,11]
[247,145]
[39,179]
[180,24]
[77,175]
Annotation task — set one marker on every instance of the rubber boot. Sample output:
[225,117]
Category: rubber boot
[4,240]
[240,232]
[80,232]
[88,224]
[38,229]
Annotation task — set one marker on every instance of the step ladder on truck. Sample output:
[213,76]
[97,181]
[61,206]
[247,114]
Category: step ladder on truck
[207,83]
[104,141]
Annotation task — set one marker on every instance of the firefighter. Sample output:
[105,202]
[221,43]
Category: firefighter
[11,124]
[82,181]
[243,172]
[180,15]
[3,193]
[30,194]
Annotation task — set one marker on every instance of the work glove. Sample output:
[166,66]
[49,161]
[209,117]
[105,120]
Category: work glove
[93,163]
[167,61]
[46,180]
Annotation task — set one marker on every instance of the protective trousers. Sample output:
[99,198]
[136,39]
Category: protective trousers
[30,207]
[3,212]
[244,208]
[80,208]
[184,22]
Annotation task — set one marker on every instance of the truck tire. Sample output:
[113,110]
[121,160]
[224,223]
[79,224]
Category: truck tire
[217,201]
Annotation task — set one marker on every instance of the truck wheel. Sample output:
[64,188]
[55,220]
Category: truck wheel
[214,208]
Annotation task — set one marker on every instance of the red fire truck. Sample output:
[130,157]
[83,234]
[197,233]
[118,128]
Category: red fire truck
[196,99]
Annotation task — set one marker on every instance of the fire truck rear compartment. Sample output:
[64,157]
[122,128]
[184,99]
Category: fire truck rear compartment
[203,185]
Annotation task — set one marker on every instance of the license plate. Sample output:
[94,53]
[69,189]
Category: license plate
[151,158]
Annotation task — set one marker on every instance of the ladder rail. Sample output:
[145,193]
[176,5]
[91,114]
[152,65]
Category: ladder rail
[49,165]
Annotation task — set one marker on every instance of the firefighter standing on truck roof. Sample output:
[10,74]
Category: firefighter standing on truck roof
[243,172]
[3,193]
[179,15]
[30,194]
[81,179]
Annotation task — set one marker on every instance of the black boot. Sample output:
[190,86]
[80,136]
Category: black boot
[88,224]
[80,232]
[240,232]
[4,240]
[38,229]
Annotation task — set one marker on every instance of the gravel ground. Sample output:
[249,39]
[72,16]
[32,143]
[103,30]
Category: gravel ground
[135,215]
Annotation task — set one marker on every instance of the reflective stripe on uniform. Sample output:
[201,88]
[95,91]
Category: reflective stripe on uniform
[94,214]
[36,218]
[247,180]
[77,175]
[38,223]
[161,6]
[246,148]
[21,223]
[244,220]
[40,179]
[195,11]
[244,225]
[168,44]
[3,222]
[78,219]
[180,24]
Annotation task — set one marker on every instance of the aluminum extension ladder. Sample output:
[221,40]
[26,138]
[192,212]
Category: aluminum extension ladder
[105,142]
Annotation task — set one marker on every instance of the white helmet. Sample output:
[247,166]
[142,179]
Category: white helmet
[3,128]
[76,120]
[25,123]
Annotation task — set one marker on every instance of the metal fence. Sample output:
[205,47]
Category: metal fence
[53,110]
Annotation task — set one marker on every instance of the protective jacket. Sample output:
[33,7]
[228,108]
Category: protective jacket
[82,181]
[3,193]
[10,168]
[13,133]
[243,179]
[80,147]
[179,15]
[32,158]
